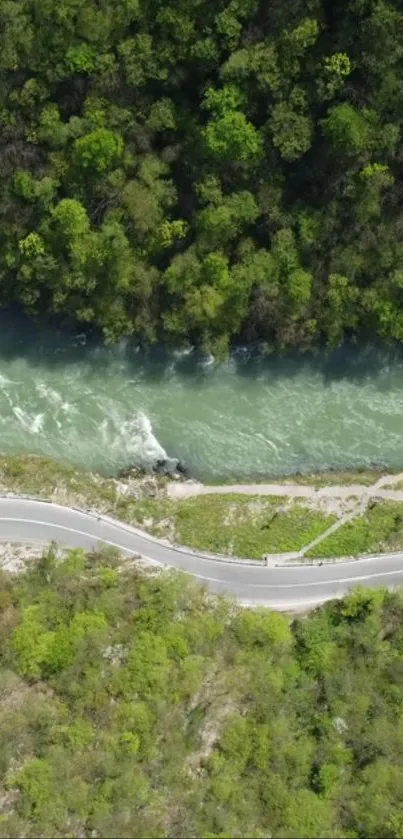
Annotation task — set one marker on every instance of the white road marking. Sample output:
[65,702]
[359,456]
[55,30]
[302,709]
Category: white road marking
[309,583]
[79,533]
[326,584]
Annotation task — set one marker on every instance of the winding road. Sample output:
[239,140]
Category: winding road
[282,587]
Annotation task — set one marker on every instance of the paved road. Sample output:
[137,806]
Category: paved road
[292,587]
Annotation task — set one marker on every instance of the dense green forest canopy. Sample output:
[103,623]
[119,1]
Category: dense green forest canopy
[201,170]
[137,706]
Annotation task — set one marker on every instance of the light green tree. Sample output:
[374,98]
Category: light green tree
[98,150]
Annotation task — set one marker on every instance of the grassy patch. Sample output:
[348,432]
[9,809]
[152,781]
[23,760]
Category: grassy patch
[244,525]
[43,477]
[379,530]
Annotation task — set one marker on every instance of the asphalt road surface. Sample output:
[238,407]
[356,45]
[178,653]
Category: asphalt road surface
[285,587]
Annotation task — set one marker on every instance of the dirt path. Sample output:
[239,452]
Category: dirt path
[190,489]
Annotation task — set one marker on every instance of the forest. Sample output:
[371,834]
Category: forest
[135,704]
[204,171]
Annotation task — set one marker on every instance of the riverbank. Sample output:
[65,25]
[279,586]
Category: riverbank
[314,520]
[366,476]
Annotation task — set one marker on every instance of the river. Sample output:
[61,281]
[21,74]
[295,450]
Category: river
[105,408]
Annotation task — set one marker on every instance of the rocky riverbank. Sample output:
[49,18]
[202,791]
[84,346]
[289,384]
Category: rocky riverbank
[176,470]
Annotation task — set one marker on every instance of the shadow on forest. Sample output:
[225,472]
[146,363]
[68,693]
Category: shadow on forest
[49,344]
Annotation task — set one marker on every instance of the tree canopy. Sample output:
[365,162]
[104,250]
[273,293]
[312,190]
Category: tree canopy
[135,704]
[144,141]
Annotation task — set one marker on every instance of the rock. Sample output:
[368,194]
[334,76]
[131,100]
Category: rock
[171,467]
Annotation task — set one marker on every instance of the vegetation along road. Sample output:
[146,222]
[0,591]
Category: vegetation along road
[276,585]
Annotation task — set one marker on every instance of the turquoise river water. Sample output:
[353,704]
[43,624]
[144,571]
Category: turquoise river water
[105,408]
